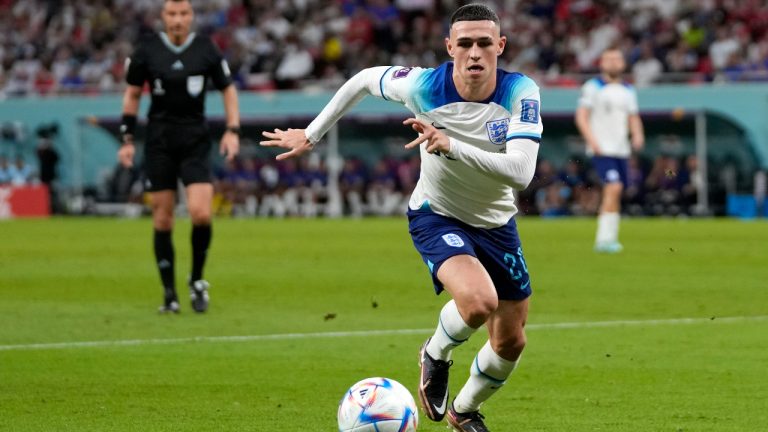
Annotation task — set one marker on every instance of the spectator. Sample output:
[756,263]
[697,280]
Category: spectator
[5,171]
[20,173]
[648,68]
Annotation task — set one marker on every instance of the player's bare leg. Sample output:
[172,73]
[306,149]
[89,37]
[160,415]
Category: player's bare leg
[163,203]
[607,238]
[199,199]
[474,299]
[492,365]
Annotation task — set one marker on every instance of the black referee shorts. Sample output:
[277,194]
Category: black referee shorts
[176,151]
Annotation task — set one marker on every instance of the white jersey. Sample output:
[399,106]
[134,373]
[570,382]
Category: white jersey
[493,142]
[610,105]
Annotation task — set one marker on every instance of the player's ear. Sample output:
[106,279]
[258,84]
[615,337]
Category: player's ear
[449,46]
[502,44]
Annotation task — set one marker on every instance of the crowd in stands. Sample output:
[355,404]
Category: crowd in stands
[16,172]
[254,186]
[666,185]
[67,46]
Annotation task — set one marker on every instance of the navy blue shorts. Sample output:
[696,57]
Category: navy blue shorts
[611,169]
[438,238]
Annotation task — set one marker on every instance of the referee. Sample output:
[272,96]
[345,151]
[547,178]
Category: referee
[177,64]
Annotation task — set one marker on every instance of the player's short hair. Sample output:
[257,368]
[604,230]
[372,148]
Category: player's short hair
[474,12]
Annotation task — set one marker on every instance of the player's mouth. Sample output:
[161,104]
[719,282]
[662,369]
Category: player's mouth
[475,69]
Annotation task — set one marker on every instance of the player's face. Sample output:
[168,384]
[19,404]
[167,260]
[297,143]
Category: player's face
[475,47]
[177,17]
[612,63]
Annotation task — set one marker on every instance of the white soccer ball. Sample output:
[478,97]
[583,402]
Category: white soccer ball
[377,405]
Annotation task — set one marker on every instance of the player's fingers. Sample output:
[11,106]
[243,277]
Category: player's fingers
[271,135]
[411,121]
[287,155]
[415,125]
[274,143]
[415,143]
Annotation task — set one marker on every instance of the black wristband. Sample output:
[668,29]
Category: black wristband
[128,125]
[234,129]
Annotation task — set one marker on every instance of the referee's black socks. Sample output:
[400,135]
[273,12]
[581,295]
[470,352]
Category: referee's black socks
[201,239]
[164,257]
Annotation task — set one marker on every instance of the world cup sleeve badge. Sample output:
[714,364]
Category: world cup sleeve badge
[529,112]
[497,130]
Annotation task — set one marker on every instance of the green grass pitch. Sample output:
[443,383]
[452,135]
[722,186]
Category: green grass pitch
[647,369]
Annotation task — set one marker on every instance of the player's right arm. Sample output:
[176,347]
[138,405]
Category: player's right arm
[136,74]
[583,112]
[582,123]
[300,141]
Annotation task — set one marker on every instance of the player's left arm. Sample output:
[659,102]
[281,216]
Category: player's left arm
[230,141]
[515,167]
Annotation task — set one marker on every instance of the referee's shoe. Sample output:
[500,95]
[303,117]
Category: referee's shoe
[198,293]
[170,302]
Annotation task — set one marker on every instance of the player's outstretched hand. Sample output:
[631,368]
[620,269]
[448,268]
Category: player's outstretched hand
[295,140]
[125,154]
[437,142]
[230,145]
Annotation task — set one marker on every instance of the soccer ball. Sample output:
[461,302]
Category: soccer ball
[377,405]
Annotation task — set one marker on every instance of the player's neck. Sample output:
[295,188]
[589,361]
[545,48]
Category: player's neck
[607,78]
[474,92]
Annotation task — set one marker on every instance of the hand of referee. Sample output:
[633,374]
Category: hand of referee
[295,140]
[230,145]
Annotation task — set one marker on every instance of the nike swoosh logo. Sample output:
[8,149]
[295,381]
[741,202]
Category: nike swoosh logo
[525,285]
[437,125]
[441,409]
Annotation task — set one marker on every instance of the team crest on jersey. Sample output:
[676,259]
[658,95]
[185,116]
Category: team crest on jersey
[529,112]
[195,85]
[453,240]
[401,73]
[497,130]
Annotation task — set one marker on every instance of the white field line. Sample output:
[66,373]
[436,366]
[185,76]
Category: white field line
[366,333]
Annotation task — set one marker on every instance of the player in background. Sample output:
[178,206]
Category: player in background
[177,63]
[606,115]
[479,131]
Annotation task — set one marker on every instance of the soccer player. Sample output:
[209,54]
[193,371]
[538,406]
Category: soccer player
[176,64]
[479,130]
[607,111]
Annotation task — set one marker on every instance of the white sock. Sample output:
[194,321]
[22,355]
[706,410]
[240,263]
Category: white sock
[607,228]
[488,373]
[451,332]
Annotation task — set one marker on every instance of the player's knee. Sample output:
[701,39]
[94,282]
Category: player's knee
[479,309]
[511,346]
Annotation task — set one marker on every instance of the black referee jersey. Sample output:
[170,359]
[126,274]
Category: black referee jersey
[177,75]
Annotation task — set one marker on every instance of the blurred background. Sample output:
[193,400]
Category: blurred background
[700,66]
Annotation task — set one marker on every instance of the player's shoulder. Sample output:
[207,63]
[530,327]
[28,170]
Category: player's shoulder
[594,83]
[516,80]
[512,87]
